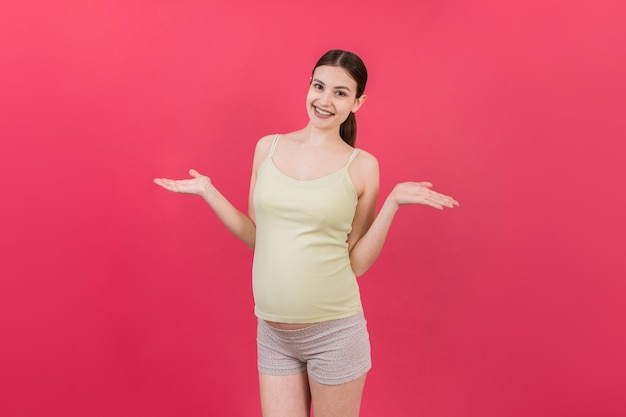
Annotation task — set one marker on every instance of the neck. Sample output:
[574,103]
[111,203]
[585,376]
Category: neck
[314,135]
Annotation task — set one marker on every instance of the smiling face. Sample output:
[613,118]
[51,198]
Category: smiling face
[331,97]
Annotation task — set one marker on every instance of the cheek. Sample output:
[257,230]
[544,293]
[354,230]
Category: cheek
[355,105]
[310,95]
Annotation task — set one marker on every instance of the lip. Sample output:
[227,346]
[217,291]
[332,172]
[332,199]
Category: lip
[323,116]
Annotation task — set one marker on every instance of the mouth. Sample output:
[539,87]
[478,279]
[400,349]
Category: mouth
[321,112]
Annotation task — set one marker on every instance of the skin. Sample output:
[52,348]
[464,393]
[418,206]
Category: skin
[309,153]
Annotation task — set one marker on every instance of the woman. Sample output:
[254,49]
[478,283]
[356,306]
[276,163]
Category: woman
[312,225]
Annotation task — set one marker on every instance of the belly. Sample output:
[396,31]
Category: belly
[289,326]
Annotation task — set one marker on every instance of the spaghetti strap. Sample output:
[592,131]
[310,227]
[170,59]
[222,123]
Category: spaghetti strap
[354,154]
[274,142]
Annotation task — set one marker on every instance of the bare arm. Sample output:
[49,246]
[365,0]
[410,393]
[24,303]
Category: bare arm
[239,224]
[366,247]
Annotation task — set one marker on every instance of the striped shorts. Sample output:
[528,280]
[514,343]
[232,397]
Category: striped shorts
[332,352]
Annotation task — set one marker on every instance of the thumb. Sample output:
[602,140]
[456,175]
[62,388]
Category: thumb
[194,173]
[426,184]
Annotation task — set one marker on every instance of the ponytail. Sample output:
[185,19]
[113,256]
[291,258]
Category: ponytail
[347,130]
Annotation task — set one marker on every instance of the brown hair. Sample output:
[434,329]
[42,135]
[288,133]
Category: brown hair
[355,67]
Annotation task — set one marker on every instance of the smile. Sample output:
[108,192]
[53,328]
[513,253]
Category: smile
[322,112]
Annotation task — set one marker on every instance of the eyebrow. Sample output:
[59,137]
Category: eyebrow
[339,87]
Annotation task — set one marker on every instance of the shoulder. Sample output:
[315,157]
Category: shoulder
[264,144]
[366,162]
[262,149]
[364,172]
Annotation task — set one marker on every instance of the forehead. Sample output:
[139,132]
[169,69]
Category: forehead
[334,76]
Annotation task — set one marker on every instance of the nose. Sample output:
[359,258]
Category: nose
[326,97]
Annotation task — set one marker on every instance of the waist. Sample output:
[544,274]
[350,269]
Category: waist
[288,326]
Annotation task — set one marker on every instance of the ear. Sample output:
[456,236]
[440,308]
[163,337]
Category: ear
[358,103]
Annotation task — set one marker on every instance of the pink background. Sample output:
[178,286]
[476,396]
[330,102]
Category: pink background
[118,298]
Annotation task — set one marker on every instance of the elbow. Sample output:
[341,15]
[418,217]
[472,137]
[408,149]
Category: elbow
[249,240]
[359,270]
[361,262]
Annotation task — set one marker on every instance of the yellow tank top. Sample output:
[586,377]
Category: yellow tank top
[301,270]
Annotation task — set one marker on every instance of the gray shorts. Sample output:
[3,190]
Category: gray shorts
[332,352]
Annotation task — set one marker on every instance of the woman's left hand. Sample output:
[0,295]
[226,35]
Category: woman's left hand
[420,193]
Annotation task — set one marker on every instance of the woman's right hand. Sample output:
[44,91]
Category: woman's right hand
[198,185]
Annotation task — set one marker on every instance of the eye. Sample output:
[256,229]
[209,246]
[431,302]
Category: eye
[318,86]
[341,93]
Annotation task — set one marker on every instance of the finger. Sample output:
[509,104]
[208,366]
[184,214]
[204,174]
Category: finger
[446,198]
[425,184]
[435,205]
[167,186]
[171,185]
[163,185]
[165,181]
[450,200]
[194,173]
[439,200]
[159,181]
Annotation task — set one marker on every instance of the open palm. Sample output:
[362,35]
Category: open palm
[198,185]
[421,193]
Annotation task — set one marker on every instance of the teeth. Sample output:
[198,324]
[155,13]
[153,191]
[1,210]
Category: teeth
[322,112]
